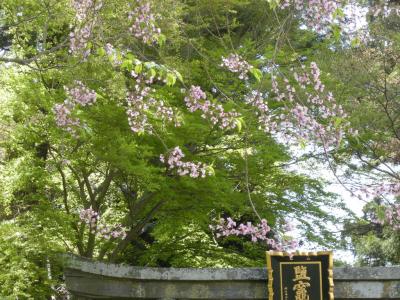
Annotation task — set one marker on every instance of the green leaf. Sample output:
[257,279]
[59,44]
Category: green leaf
[130,56]
[171,79]
[273,3]
[256,73]
[338,121]
[355,42]
[138,68]
[153,72]
[127,64]
[239,123]
[303,143]
[336,30]
[179,76]
[161,39]
[338,13]
[101,52]
[210,170]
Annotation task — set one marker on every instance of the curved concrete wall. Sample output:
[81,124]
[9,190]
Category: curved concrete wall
[87,279]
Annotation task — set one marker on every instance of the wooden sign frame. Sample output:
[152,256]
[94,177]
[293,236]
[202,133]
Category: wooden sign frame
[284,281]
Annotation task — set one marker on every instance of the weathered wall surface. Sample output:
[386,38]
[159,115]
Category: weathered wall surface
[96,280]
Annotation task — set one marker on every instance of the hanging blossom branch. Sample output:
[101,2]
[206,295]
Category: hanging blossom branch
[79,95]
[86,17]
[259,232]
[378,190]
[140,101]
[91,218]
[194,170]
[392,216]
[305,110]
[317,14]
[197,101]
[302,110]
[144,23]
[310,112]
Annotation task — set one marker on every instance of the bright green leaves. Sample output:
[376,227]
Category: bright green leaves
[101,52]
[150,69]
[170,79]
[256,73]
[138,68]
[273,3]
[161,39]
[194,48]
[239,123]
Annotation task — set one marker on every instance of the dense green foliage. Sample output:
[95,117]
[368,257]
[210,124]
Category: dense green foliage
[375,244]
[49,175]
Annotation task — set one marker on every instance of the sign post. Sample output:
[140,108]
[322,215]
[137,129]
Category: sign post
[300,276]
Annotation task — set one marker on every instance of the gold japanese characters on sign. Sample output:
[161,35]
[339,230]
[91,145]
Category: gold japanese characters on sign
[302,283]
[302,276]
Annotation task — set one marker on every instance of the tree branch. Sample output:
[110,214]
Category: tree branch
[27,61]
[134,232]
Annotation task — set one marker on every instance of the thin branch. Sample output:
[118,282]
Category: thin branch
[27,61]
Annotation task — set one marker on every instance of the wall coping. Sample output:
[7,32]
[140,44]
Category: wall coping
[73,262]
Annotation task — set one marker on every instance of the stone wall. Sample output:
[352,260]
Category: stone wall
[97,280]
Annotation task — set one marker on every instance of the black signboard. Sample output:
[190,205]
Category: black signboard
[302,276]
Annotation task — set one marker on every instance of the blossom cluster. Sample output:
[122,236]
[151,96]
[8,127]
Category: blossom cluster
[392,216]
[113,54]
[80,94]
[79,39]
[144,23]
[77,95]
[236,64]
[392,211]
[63,113]
[90,217]
[265,115]
[82,8]
[259,232]
[85,15]
[317,14]
[174,162]
[369,192]
[309,112]
[137,104]
[140,101]
[109,48]
[197,101]
[304,111]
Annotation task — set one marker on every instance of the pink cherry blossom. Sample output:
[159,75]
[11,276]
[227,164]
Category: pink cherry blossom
[144,23]
[92,218]
[308,112]
[259,232]
[63,116]
[77,95]
[80,94]
[85,15]
[140,102]
[174,162]
[215,113]
[316,14]
[236,64]
[392,216]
